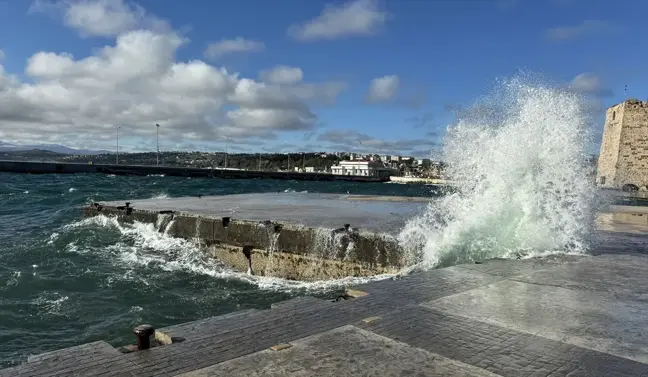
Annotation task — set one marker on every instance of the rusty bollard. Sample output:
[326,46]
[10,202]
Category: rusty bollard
[143,334]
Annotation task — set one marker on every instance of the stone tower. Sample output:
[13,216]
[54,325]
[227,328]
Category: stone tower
[624,149]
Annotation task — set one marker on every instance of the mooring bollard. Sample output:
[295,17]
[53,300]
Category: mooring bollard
[143,334]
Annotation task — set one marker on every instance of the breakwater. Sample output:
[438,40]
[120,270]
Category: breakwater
[32,167]
[297,237]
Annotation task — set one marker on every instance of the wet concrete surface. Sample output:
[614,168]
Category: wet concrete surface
[345,351]
[375,213]
[556,316]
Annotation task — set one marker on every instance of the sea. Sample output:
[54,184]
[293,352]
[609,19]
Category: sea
[66,280]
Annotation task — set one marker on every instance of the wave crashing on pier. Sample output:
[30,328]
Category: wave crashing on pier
[519,161]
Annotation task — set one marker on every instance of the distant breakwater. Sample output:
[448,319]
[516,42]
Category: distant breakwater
[32,167]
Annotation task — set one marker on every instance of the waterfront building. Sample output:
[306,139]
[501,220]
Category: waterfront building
[363,168]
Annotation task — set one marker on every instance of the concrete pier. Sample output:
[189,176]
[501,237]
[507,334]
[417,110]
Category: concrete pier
[303,236]
[298,236]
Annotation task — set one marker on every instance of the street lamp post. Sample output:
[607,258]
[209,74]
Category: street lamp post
[157,142]
[226,154]
[117,155]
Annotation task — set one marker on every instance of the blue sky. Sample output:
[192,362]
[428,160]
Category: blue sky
[426,57]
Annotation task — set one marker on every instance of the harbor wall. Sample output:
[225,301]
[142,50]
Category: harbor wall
[274,249]
[29,167]
[431,181]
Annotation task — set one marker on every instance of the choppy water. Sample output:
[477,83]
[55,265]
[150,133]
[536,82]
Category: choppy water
[65,280]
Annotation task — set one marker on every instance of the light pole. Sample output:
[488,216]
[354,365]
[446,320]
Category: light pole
[259,168]
[303,161]
[286,144]
[157,142]
[225,152]
[118,127]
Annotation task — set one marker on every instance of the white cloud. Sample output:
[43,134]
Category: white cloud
[105,18]
[587,27]
[383,89]
[230,46]
[354,18]
[589,83]
[282,74]
[137,82]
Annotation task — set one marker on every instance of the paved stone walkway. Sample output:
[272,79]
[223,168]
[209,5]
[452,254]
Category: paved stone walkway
[560,316]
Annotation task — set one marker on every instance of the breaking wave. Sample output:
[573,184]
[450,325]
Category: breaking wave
[518,159]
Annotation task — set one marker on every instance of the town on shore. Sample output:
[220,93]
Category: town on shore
[338,163]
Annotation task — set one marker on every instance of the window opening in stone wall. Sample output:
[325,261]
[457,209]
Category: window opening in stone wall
[603,180]
[613,115]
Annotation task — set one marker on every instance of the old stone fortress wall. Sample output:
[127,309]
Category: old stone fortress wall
[624,149]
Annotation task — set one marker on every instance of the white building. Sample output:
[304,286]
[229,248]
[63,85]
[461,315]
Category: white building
[362,168]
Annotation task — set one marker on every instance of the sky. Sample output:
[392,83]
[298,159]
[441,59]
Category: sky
[383,76]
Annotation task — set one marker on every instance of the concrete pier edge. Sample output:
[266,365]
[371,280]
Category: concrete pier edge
[272,248]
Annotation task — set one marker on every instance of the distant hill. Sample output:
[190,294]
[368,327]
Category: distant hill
[56,148]
[30,155]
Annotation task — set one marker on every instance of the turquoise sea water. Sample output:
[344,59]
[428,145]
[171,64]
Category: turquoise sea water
[66,281]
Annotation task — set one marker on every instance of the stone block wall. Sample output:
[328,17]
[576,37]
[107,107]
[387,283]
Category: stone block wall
[279,250]
[624,149]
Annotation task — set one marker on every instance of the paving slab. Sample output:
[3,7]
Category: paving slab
[621,277]
[588,319]
[498,349]
[345,351]
[514,267]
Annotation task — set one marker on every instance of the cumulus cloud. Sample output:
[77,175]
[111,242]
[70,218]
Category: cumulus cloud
[104,18]
[231,46]
[360,142]
[383,89]
[587,27]
[137,82]
[354,18]
[589,83]
[282,74]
